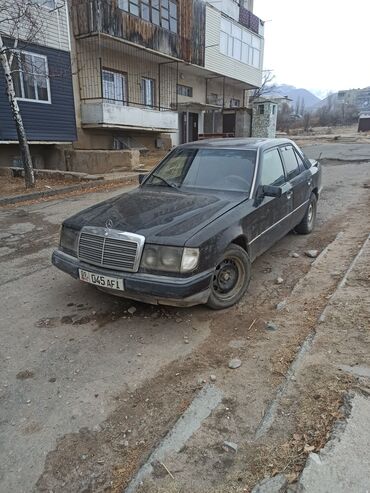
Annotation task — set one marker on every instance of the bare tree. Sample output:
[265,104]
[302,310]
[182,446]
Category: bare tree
[21,23]
[267,85]
[306,121]
[297,105]
[284,118]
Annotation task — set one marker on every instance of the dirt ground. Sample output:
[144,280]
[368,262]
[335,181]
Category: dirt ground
[15,186]
[87,390]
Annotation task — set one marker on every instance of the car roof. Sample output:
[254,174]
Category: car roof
[235,143]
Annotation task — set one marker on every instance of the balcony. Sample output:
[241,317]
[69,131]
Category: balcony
[104,114]
[104,17]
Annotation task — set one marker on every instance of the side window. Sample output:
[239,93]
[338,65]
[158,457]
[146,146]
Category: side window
[290,161]
[272,172]
[301,164]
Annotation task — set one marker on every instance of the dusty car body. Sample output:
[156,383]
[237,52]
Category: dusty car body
[190,232]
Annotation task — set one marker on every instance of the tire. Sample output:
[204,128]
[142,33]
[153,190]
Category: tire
[231,278]
[307,224]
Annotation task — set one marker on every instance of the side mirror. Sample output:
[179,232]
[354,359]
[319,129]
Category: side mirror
[271,191]
[142,177]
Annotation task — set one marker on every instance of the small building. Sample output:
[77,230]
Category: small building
[43,85]
[264,118]
[364,122]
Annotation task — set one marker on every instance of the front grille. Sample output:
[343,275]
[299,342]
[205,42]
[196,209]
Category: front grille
[110,248]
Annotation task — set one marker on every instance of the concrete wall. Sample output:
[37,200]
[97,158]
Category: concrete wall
[98,161]
[43,156]
[264,125]
[129,116]
[243,123]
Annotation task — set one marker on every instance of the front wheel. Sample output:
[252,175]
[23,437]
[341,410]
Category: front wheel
[307,224]
[231,278]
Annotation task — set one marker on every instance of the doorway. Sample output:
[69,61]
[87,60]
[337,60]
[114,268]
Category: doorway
[228,123]
[193,127]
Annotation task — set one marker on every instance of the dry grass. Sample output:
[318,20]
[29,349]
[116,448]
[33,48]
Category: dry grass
[318,408]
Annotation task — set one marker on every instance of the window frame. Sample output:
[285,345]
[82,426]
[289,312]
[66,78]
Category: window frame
[183,86]
[45,4]
[164,11]
[248,45]
[21,80]
[298,168]
[153,81]
[124,86]
[264,152]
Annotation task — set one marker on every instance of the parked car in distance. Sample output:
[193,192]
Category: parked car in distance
[190,232]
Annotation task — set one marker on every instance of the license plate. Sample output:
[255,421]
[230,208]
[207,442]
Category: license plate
[102,281]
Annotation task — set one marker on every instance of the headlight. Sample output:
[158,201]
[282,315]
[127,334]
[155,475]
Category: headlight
[170,259]
[190,258]
[68,240]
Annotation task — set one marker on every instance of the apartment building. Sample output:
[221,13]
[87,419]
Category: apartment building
[43,84]
[355,97]
[154,73]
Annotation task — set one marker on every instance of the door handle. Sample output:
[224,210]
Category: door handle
[289,195]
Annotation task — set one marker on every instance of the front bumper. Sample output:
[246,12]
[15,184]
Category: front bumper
[149,288]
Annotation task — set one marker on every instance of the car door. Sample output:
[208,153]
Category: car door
[269,220]
[299,178]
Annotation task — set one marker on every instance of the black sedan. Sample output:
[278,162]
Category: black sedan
[190,232]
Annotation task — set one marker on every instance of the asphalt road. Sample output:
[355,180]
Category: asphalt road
[69,353]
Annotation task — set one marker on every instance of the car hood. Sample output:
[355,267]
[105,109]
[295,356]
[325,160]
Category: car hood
[164,216]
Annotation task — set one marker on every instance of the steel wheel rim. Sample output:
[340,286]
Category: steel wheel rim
[228,278]
[311,213]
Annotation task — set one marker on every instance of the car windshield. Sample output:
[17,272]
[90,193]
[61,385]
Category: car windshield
[216,169]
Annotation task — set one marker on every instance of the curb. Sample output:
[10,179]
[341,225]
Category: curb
[71,188]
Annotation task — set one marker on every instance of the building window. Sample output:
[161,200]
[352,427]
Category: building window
[147,92]
[159,12]
[273,109]
[114,86]
[48,4]
[184,90]
[31,80]
[234,103]
[261,109]
[239,43]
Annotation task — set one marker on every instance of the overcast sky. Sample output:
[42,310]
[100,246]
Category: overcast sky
[321,45]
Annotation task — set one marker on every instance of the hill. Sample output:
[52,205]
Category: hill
[295,93]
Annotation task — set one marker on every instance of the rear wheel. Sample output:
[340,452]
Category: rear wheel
[308,222]
[231,278]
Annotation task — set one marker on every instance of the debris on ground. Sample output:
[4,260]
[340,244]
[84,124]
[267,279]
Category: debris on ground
[234,363]
[279,280]
[294,254]
[131,310]
[277,484]
[227,446]
[271,326]
[312,253]
[280,306]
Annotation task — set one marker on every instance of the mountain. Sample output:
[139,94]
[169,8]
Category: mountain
[295,93]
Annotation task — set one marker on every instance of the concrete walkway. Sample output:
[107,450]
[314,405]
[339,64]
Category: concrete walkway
[344,464]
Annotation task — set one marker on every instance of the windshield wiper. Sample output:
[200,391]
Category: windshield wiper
[169,184]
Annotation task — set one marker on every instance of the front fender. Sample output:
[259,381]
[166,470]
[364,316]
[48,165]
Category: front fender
[213,249]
